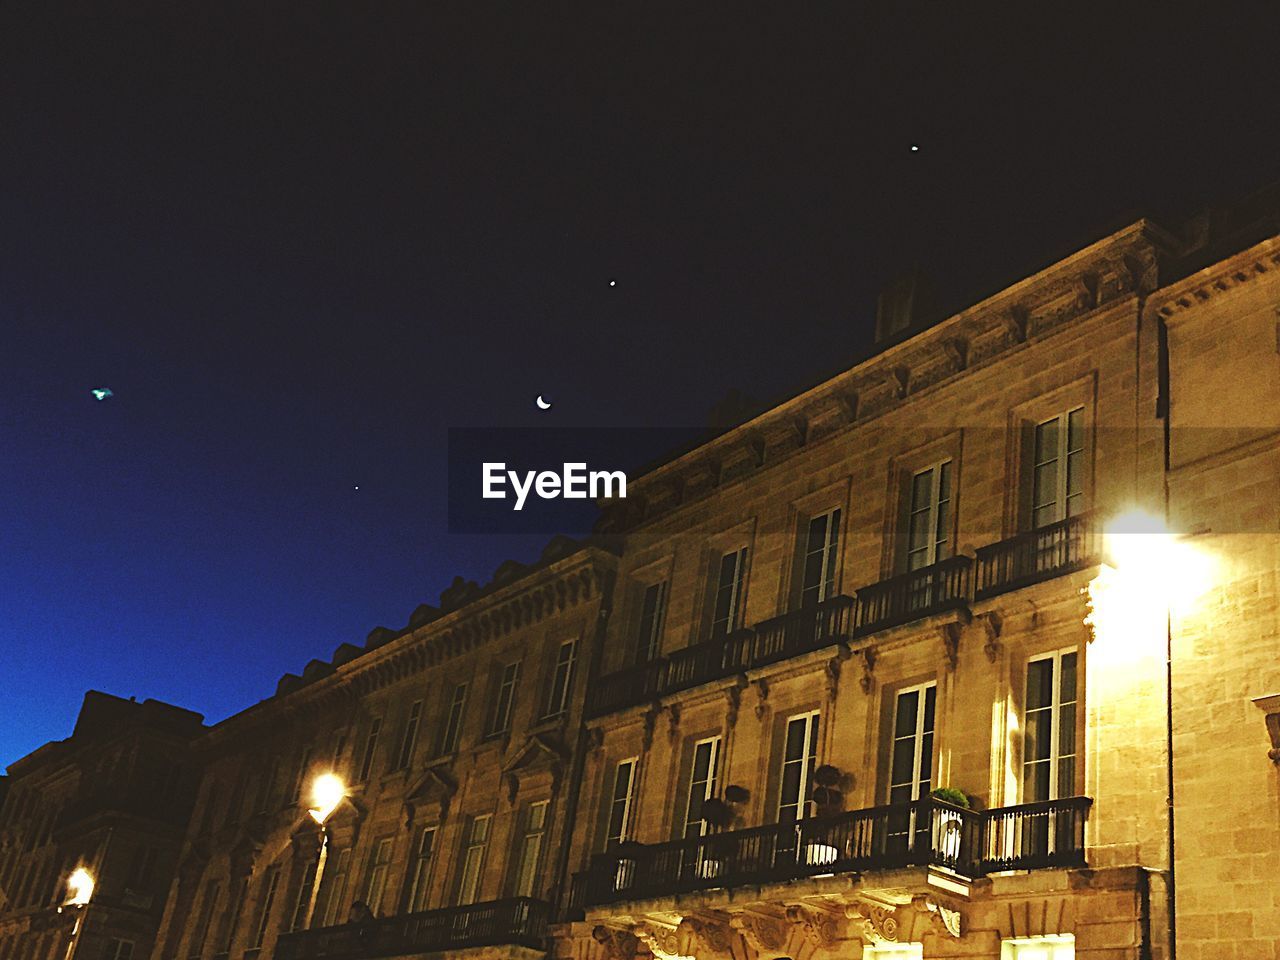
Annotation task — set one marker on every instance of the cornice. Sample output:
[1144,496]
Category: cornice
[1235,271]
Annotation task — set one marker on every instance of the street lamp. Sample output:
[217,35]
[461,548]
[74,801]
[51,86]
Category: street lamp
[79,893]
[327,793]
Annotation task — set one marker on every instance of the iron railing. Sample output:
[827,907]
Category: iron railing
[911,596]
[518,921]
[927,832]
[1052,551]
[803,630]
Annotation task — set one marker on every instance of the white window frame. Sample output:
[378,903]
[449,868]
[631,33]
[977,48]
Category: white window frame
[452,734]
[531,848]
[1055,719]
[893,951]
[409,737]
[937,524]
[423,856]
[650,645]
[737,590]
[1061,456]
[562,678]
[624,824]
[709,785]
[337,890]
[1057,946]
[303,900]
[505,701]
[829,551]
[917,736]
[808,756]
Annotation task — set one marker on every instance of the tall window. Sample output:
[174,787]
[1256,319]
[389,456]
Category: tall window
[378,874]
[653,611]
[727,615]
[1057,489]
[420,888]
[231,915]
[453,722]
[531,849]
[1049,744]
[562,678]
[409,737]
[822,543]
[911,768]
[201,933]
[300,781]
[303,901]
[619,828]
[336,886]
[929,523]
[799,759]
[703,780]
[473,859]
[370,748]
[503,703]
[268,901]
[117,949]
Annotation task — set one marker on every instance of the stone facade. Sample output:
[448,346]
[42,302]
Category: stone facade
[717,729]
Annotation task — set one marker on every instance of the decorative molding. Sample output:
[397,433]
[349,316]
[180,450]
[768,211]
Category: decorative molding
[1016,321]
[733,698]
[903,923]
[819,927]
[673,722]
[1219,278]
[650,721]
[868,679]
[992,625]
[1270,706]
[662,941]
[762,698]
[764,932]
[615,944]
[707,938]
[950,634]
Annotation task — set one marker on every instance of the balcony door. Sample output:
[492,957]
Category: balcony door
[795,797]
[730,584]
[911,764]
[821,548]
[1049,749]
[704,781]
[928,532]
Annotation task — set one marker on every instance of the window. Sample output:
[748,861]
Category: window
[799,758]
[231,917]
[370,748]
[300,781]
[929,522]
[1049,743]
[142,870]
[303,901]
[421,870]
[619,827]
[409,737]
[1061,946]
[893,951]
[911,766]
[453,722]
[339,748]
[336,889]
[1058,464]
[703,781]
[562,678]
[531,849]
[378,868]
[473,859]
[201,932]
[118,949]
[727,613]
[503,703]
[653,611]
[820,552]
[271,882]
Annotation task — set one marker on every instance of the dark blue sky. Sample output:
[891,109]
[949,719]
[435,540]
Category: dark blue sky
[300,242]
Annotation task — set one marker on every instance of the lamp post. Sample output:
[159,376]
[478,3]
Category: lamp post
[327,793]
[79,893]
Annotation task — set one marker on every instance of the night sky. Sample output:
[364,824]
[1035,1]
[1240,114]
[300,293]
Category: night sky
[301,241]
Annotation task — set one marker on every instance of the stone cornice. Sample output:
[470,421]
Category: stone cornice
[1102,275]
[1203,285]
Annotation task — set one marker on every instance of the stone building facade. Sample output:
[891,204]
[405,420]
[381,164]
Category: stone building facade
[970,651]
[113,798]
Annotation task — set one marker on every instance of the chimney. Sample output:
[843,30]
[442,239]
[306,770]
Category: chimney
[903,304]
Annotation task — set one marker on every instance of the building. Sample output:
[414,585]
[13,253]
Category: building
[113,799]
[970,651]
[457,741]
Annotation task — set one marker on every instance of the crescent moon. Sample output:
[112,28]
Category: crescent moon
[542,404]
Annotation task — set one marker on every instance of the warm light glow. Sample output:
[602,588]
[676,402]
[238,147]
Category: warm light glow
[79,887]
[327,791]
[1149,574]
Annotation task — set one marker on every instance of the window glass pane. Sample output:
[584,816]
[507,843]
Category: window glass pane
[1047,441]
[1039,683]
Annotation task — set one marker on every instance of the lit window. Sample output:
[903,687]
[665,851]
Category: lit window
[703,780]
[822,542]
[799,758]
[473,859]
[893,951]
[1049,741]
[929,523]
[1057,487]
[1060,946]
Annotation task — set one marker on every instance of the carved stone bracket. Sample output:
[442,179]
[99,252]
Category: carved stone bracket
[762,698]
[868,680]
[992,624]
[650,721]
[767,934]
[903,923]
[832,670]
[673,722]
[820,928]
[899,381]
[662,941]
[1271,707]
[957,351]
[615,944]
[706,937]
[950,634]
[733,698]
[1016,322]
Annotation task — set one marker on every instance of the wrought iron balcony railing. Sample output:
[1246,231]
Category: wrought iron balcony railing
[1060,548]
[950,584]
[927,832]
[519,921]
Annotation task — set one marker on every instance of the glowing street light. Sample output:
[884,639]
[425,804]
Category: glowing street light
[79,888]
[327,792]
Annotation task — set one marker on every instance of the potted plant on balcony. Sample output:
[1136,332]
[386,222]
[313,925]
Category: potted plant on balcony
[717,815]
[951,822]
[828,798]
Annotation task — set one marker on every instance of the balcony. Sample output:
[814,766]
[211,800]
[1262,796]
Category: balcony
[519,921]
[926,833]
[1053,551]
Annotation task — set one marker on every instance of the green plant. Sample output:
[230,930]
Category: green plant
[957,798]
[827,776]
[717,813]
